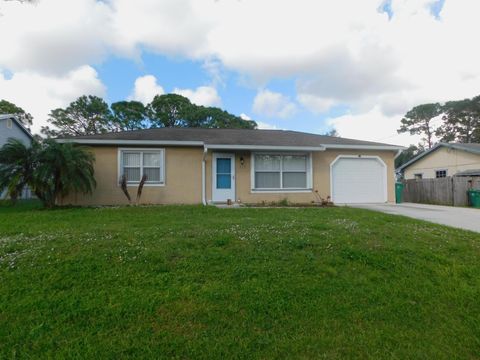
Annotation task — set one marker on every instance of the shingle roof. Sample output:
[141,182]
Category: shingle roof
[229,137]
[471,148]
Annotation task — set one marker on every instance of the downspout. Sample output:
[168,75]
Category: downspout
[204,159]
[397,175]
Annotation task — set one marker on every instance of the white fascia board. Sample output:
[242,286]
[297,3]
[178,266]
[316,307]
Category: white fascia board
[265,147]
[131,142]
[365,147]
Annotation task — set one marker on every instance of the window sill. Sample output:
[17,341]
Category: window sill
[280,191]
[145,185]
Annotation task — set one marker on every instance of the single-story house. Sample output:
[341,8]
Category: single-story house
[194,165]
[442,160]
[11,127]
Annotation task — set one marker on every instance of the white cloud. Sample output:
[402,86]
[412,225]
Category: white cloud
[39,94]
[53,36]
[245,116]
[273,104]
[202,95]
[372,126]
[265,126]
[315,104]
[170,27]
[146,88]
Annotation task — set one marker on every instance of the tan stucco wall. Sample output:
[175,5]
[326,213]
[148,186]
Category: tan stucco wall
[183,178]
[321,177]
[448,159]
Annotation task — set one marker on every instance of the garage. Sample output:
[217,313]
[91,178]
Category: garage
[357,179]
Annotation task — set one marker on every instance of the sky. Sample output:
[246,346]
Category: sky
[306,65]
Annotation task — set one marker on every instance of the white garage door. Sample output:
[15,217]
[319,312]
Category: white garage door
[358,180]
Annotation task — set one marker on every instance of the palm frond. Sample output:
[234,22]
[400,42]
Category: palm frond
[140,187]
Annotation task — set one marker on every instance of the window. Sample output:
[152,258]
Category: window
[224,173]
[9,123]
[281,171]
[136,163]
[440,173]
[418,176]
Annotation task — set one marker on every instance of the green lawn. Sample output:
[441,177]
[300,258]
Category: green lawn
[200,282]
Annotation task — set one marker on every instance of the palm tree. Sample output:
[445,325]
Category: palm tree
[52,170]
[63,168]
[17,166]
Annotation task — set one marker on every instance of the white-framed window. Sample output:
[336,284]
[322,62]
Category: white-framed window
[418,176]
[440,173]
[9,123]
[135,163]
[285,171]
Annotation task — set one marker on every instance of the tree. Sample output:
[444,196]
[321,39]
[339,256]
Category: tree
[50,169]
[418,121]
[332,132]
[63,168]
[10,108]
[461,121]
[173,110]
[170,110]
[88,115]
[18,163]
[213,117]
[408,155]
[129,115]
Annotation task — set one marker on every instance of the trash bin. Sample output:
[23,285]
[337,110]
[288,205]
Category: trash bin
[399,193]
[474,198]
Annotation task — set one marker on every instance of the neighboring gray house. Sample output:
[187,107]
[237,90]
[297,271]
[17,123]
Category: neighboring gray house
[11,127]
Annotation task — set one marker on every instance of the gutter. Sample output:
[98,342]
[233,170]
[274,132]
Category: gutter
[320,147]
[365,147]
[130,142]
[265,147]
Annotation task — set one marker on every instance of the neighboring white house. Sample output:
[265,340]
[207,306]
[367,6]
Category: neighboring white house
[11,127]
[444,159]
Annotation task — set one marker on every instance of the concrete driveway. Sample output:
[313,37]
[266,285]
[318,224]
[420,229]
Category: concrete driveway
[463,218]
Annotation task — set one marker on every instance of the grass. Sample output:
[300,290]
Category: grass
[201,282]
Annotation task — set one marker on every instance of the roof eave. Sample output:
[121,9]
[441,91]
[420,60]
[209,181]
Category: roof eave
[364,147]
[130,142]
[320,147]
[463,148]
[263,147]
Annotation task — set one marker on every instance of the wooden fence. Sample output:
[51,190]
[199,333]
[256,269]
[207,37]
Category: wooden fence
[443,191]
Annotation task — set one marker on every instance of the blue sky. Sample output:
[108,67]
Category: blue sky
[356,66]
[119,74]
